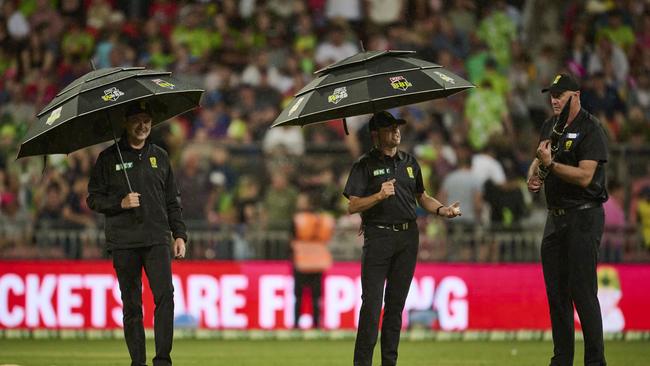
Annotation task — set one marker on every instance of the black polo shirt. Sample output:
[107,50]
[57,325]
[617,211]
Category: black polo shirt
[375,168]
[583,139]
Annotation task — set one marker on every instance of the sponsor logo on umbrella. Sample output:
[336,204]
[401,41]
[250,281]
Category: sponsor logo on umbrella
[338,95]
[400,82]
[53,116]
[112,94]
[154,163]
[445,78]
[163,83]
[295,106]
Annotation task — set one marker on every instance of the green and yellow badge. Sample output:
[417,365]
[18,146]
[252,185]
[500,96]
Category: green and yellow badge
[154,163]
[409,170]
[567,145]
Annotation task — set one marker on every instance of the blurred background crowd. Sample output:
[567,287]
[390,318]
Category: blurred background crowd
[240,181]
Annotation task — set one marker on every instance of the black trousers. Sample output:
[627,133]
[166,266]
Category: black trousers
[569,259]
[156,261]
[388,256]
[313,281]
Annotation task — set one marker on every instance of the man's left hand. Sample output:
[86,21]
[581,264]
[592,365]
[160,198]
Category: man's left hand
[179,248]
[451,211]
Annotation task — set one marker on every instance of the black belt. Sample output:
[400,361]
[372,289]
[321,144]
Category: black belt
[564,211]
[394,227]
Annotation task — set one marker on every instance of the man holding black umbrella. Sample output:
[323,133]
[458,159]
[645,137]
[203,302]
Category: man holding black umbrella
[139,225]
[384,186]
[570,163]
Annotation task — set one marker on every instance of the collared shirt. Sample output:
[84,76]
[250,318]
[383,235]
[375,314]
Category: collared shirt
[151,175]
[374,168]
[583,139]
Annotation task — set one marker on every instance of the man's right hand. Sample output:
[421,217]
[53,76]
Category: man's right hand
[131,200]
[534,183]
[387,189]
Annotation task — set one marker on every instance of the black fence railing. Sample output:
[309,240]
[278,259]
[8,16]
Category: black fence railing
[437,243]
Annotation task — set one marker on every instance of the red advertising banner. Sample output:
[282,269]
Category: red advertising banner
[259,295]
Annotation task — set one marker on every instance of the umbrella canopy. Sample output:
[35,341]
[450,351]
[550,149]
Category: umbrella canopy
[90,109]
[369,82]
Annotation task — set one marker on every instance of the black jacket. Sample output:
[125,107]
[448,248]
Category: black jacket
[151,175]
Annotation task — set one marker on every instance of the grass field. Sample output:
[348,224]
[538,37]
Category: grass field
[312,353]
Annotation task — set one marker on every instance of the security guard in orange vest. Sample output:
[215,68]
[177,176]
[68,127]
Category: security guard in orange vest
[311,257]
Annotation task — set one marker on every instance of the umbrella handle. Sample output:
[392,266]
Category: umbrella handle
[137,210]
[119,153]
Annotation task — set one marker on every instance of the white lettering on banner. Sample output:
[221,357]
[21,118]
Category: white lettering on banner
[14,316]
[453,313]
[179,296]
[202,295]
[38,300]
[420,293]
[231,300]
[340,297]
[420,296]
[271,301]
[57,300]
[98,284]
[116,313]
[67,300]
[343,295]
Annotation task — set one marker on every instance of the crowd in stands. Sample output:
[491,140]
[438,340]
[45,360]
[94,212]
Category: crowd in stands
[252,56]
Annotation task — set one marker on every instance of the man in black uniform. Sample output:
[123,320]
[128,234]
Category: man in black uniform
[138,226]
[575,191]
[384,186]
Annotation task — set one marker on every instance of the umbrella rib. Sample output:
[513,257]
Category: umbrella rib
[134,76]
[372,103]
[99,75]
[366,77]
[108,107]
[333,109]
[73,85]
[424,91]
[334,66]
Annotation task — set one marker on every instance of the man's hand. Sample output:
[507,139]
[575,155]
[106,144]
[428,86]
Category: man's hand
[179,248]
[544,152]
[131,200]
[451,211]
[534,183]
[387,189]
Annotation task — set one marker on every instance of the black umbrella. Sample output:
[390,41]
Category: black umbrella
[90,110]
[369,82]
[81,114]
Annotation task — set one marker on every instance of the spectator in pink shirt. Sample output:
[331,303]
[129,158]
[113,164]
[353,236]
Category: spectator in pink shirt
[615,223]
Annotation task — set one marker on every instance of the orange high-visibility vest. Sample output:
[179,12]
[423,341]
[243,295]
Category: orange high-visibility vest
[313,233]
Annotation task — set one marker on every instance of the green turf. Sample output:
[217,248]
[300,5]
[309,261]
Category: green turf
[311,353]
